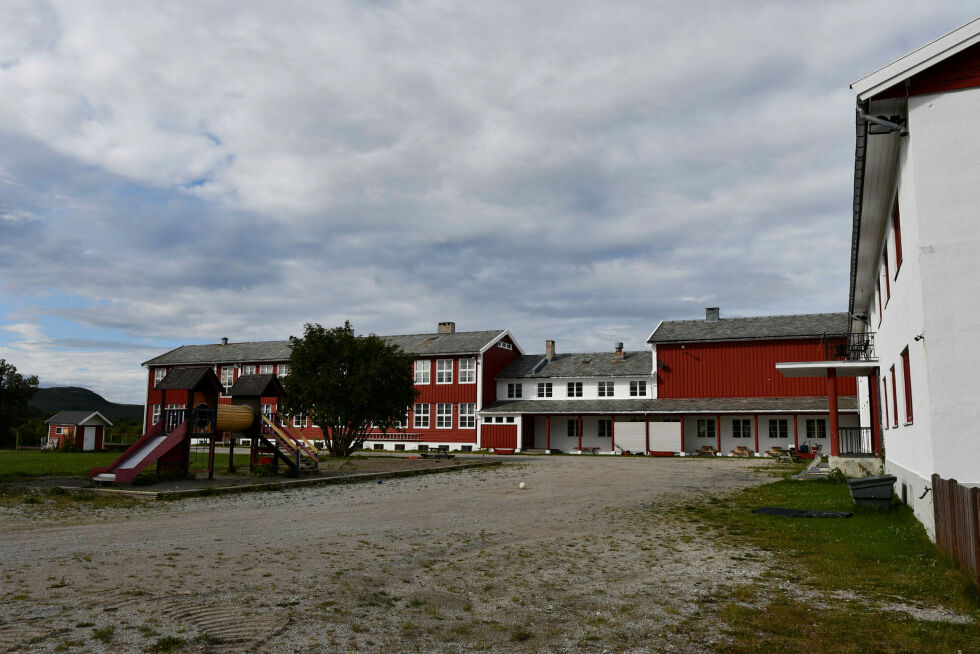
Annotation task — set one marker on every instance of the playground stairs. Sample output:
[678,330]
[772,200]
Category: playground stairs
[279,440]
[818,469]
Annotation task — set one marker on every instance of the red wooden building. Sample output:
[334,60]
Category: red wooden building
[454,375]
[86,429]
[708,383]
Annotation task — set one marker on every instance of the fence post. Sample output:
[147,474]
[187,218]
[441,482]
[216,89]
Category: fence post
[937,504]
[973,506]
[954,545]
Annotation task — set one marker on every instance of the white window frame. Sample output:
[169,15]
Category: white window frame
[545,389]
[573,389]
[467,371]
[60,430]
[444,415]
[607,389]
[156,414]
[515,390]
[420,416]
[227,375]
[605,425]
[638,388]
[248,369]
[158,375]
[265,369]
[780,426]
[300,422]
[282,369]
[741,422]
[816,428]
[706,425]
[423,371]
[467,415]
[444,371]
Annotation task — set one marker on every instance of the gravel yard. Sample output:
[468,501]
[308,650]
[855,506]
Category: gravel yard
[585,559]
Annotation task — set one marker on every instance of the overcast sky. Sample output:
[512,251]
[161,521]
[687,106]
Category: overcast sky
[176,172]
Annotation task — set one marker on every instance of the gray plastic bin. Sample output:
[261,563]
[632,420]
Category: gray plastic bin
[872,491]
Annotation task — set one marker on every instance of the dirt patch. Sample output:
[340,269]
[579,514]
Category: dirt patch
[585,558]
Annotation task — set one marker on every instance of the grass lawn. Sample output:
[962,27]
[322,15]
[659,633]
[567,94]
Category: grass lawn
[837,580]
[22,464]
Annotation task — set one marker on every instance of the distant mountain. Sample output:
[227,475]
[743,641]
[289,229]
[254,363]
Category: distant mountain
[49,401]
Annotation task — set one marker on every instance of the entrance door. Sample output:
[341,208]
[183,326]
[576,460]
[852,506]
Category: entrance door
[88,441]
[527,433]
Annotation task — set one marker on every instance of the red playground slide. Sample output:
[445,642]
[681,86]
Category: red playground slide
[150,447]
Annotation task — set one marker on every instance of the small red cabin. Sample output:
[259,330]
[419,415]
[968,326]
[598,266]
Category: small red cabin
[86,429]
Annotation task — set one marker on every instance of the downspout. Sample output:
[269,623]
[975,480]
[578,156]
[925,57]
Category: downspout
[860,150]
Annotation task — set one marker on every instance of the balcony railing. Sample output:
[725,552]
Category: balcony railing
[856,346]
[855,440]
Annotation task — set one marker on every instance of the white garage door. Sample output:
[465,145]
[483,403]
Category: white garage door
[665,436]
[631,436]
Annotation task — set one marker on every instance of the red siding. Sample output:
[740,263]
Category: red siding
[504,436]
[742,369]
[494,360]
[961,71]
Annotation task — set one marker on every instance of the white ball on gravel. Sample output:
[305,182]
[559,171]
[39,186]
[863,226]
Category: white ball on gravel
[522,485]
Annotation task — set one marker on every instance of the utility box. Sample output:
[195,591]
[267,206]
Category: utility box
[872,491]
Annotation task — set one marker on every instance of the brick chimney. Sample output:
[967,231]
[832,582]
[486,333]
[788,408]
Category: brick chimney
[447,328]
[712,314]
[549,350]
[619,351]
[224,340]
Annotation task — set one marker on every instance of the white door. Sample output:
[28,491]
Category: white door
[88,441]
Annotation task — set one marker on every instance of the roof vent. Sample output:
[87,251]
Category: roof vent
[224,340]
[447,328]
[712,314]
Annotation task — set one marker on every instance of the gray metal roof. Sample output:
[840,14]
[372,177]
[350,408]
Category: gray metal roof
[74,418]
[256,386]
[185,379]
[584,364]
[420,344]
[810,325]
[708,405]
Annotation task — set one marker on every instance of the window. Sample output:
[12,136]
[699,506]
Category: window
[816,428]
[265,369]
[299,421]
[267,410]
[510,418]
[574,389]
[444,416]
[706,429]
[156,414]
[607,389]
[897,229]
[467,371]
[573,430]
[421,416]
[544,389]
[467,415]
[283,369]
[884,399]
[444,371]
[888,281]
[227,378]
[422,368]
[514,391]
[248,369]
[401,423]
[741,428]
[505,346]
[894,398]
[779,428]
[61,430]
[638,389]
[158,374]
[907,378]
[605,428]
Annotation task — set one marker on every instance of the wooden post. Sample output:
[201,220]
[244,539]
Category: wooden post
[612,432]
[547,433]
[211,456]
[832,410]
[796,433]
[646,431]
[875,409]
[756,433]
[718,431]
[579,434]
[682,433]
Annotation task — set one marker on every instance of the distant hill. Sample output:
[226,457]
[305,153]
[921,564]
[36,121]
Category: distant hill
[49,401]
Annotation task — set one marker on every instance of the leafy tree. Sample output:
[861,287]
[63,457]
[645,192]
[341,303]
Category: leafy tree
[15,393]
[347,382]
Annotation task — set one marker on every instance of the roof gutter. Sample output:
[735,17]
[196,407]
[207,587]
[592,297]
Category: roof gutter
[860,161]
